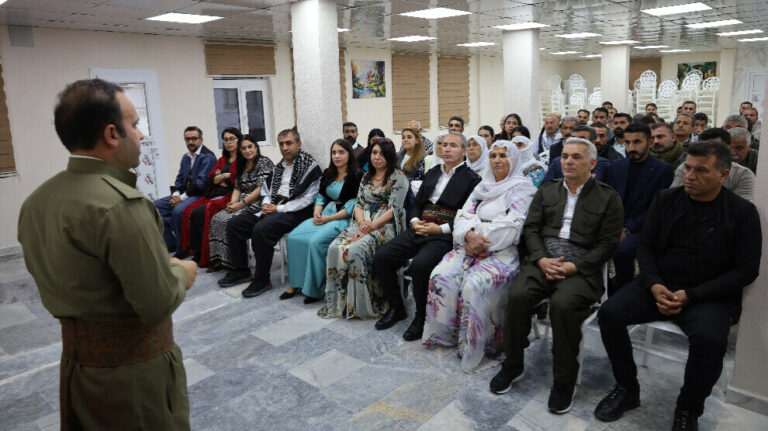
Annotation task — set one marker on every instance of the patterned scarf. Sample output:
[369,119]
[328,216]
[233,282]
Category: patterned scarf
[671,155]
[303,164]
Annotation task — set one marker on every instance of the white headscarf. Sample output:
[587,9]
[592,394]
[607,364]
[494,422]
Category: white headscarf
[514,183]
[526,154]
[482,161]
[438,160]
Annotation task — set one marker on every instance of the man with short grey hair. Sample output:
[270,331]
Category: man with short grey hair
[550,135]
[740,145]
[566,128]
[683,127]
[416,125]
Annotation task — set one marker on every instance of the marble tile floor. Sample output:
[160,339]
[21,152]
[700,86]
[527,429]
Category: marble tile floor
[265,364]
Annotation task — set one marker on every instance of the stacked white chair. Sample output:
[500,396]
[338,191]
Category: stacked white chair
[595,99]
[553,99]
[665,98]
[689,89]
[707,100]
[645,90]
[577,93]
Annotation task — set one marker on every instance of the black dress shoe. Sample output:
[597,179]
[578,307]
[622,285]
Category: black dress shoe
[288,295]
[501,383]
[414,331]
[213,269]
[256,288]
[235,277]
[618,401]
[561,398]
[392,316]
[685,421]
[310,300]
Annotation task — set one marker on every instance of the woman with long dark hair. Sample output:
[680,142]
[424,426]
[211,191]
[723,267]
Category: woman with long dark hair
[379,216]
[373,135]
[510,122]
[307,245]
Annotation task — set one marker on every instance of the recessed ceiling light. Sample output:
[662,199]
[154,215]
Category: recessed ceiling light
[435,13]
[474,44]
[723,23]
[521,26]
[674,50]
[674,10]
[578,35]
[542,49]
[566,52]
[739,33]
[754,39]
[592,56]
[411,38]
[342,30]
[619,42]
[184,18]
[650,47]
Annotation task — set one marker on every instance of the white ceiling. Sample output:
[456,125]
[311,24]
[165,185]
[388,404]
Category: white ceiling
[371,22]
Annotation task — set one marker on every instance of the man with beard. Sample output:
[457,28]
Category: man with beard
[583,116]
[755,126]
[350,135]
[599,172]
[664,145]
[601,139]
[620,123]
[650,108]
[637,179]
[744,106]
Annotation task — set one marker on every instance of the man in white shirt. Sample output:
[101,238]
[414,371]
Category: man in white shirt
[288,198]
[428,239]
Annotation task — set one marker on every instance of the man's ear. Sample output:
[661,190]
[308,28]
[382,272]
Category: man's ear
[111,136]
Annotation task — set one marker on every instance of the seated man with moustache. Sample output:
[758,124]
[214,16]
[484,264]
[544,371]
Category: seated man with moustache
[700,246]
[572,229]
[599,172]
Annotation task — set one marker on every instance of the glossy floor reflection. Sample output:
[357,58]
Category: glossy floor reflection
[265,364]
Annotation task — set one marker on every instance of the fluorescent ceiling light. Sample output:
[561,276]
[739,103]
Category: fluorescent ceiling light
[650,47]
[566,52]
[578,35]
[521,26]
[739,33]
[411,38]
[435,13]
[474,44]
[754,39]
[342,30]
[674,50]
[542,49]
[723,23]
[184,18]
[674,10]
[619,42]
[592,56]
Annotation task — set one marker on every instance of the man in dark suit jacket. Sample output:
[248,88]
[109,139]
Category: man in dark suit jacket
[638,179]
[190,183]
[700,246]
[572,229]
[428,239]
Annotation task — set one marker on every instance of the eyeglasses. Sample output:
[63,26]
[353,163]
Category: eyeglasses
[232,139]
[193,139]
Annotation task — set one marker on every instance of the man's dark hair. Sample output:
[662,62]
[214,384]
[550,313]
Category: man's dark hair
[665,125]
[607,103]
[647,119]
[601,109]
[194,129]
[746,103]
[689,101]
[84,109]
[583,110]
[523,131]
[651,104]
[716,133]
[488,128]
[639,127]
[456,118]
[348,124]
[375,132]
[700,116]
[590,130]
[623,114]
[293,132]
[598,124]
[723,154]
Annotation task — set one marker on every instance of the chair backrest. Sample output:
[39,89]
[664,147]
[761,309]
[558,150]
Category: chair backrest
[647,79]
[553,83]
[711,83]
[594,98]
[576,81]
[692,80]
[667,89]
[578,98]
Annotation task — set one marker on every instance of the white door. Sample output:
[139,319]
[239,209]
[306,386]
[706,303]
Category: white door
[244,104]
[756,89]
[140,86]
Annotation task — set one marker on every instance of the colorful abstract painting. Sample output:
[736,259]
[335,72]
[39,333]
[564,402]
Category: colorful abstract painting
[707,68]
[368,79]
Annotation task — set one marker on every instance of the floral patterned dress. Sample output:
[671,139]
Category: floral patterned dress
[350,290]
[467,295]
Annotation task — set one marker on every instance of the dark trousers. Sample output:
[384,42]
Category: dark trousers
[624,262]
[570,303]
[705,323]
[426,253]
[196,221]
[264,233]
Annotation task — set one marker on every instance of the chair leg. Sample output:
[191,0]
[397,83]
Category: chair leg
[647,345]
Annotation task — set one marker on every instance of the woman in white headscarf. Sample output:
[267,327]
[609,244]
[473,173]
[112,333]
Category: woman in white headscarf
[477,154]
[530,166]
[468,288]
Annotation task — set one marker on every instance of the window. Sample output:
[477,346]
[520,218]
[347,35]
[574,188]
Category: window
[453,88]
[243,103]
[410,89]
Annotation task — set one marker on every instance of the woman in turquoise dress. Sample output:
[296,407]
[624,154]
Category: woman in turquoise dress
[307,245]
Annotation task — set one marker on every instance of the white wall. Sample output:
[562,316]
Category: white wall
[369,113]
[282,98]
[747,59]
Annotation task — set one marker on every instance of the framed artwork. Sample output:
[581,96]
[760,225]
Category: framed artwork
[368,79]
[707,68]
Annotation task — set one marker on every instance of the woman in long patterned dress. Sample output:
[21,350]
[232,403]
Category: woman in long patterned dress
[468,288]
[379,216]
[529,165]
[253,169]
[307,244]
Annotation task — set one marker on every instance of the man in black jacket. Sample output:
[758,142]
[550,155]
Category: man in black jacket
[700,246]
[442,194]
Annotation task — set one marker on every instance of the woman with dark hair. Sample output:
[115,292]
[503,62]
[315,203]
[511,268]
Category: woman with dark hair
[362,161]
[487,133]
[379,216]
[218,190]
[252,170]
[307,245]
[510,122]
[520,131]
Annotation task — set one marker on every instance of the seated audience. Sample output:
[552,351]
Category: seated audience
[477,154]
[521,131]
[583,116]
[508,124]
[600,171]
[550,135]
[740,179]
[410,158]
[456,124]
[744,106]
[684,129]
[379,216]
[700,121]
[435,159]
[362,161]
[350,134]
[572,229]
[740,145]
[289,194]
[732,121]
[638,179]
[252,170]
[529,165]
[468,288]
[755,126]
[487,133]
[700,247]
[195,222]
[600,115]
[620,122]
[566,128]
[307,245]
[601,139]
[416,126]
[189,186]
[689,107]
[664,145]
[445,189]
[650,108]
